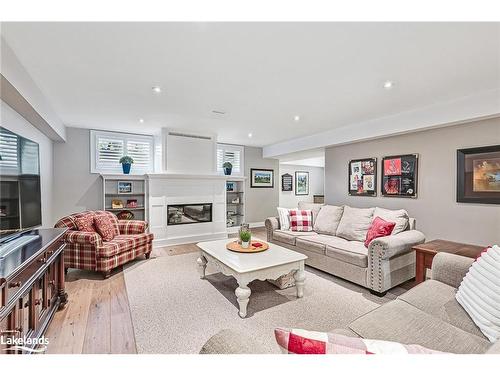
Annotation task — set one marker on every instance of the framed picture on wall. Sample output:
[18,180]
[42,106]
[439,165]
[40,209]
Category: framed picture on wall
[478,175]
[301,183]
[362,177]
[399,176]
[261,178]
[286,182]
[124,187]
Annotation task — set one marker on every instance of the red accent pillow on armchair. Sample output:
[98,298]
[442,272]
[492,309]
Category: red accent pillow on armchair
[85,223]
[379,228]
[104,227]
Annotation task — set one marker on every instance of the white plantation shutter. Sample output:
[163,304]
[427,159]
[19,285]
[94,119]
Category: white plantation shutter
[110,147]
[232,154]
[9,144]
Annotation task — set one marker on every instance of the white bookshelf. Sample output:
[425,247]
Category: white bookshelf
[138,192]
[235,203]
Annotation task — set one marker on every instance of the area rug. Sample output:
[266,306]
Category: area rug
[174,311]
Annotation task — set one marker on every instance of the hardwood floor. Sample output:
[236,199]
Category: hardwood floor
[97,318]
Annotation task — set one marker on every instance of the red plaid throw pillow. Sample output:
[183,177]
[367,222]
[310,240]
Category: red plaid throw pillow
[301,220]
[85,223]
[299,341]
[104,227]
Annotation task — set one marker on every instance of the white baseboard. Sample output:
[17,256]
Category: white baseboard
[257,224]
[160,242]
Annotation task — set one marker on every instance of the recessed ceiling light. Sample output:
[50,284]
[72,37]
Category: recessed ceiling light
[296,118]
[388,85]
[156,89]
[141,120]
[250,135]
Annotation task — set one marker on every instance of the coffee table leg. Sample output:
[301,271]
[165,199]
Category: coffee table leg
[243,295]
[300,277]
[202,265]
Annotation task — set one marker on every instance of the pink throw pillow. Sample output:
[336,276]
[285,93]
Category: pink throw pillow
[301,220]
[85,223]
[104,227]
[379,228]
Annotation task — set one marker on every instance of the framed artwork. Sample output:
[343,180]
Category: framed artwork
[363,177]
[287,182]
[478,175]
[229,186]
[301,183]
[261,178]
[399,176]
[124,187]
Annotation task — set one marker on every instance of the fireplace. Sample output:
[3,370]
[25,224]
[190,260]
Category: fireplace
[179,214]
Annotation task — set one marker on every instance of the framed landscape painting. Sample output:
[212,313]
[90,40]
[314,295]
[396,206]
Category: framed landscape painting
[399,176]
[478,175]
[261,178]
[363,177]
[301,183]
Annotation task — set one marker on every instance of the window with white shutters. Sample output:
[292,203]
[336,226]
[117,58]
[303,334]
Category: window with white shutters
[232,154]
[9,145]
[108,148]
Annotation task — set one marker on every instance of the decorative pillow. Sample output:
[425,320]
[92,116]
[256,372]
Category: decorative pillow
[85,223]
[301,220]
[478,293]
[298,341]
[355,223]
[284,217]
[314,207]
[379,228]
[400,217]
[104,227]
[328,219]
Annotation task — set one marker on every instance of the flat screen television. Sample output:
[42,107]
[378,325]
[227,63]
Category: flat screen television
[20,198]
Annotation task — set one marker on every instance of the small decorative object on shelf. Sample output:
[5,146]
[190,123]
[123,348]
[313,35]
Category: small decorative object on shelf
[131,203]
[230,186]
[236,200]
[126,162]
[245,237]
[116,203]
[228,167]
[229,221]
[124,187]
[125,215]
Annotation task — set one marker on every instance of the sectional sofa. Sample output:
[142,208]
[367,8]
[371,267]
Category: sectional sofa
[337,245]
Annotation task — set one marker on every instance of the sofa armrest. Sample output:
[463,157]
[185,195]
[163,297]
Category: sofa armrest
[132,226]
[83,238]
[389,246]
[230,341]
[450,268]
[271,223]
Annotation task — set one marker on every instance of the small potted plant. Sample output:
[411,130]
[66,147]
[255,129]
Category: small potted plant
[228,167]
[126,162]
[245,238]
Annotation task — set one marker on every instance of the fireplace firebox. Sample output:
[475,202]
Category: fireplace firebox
[193,213]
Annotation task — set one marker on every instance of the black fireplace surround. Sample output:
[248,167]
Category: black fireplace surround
[193,213]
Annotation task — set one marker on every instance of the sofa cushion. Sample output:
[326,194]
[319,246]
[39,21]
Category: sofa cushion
[328,219]
[301,220]
[315,243]
[85,223]
[442,304]
[104,227]
[314,207]
[399,321]
[352,252]
[400,217]
[284,218]
[355,223]
[289,237]
[123,243]
[379,228]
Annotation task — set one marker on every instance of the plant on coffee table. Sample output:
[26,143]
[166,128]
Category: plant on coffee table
[245,239]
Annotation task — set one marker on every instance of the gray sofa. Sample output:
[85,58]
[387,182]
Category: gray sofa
[336,245]
[428,315]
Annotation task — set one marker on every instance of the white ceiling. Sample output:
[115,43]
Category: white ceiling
[99,75]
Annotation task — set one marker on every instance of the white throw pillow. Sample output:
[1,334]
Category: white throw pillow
[328,219]
[355,223]
[284,218]
[400,217]
[479,293]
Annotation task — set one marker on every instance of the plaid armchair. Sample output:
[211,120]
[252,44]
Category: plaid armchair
[87,250]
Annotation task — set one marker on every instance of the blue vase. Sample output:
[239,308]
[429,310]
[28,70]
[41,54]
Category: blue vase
[227,171]
[126,168]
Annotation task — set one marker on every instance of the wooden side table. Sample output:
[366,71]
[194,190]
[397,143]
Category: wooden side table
[425,253]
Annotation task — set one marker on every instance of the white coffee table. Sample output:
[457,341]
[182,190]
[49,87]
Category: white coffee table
[270,264]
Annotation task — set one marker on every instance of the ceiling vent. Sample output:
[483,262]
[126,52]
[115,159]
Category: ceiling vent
[185,135]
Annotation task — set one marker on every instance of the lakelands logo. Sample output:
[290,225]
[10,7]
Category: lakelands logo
[24,344]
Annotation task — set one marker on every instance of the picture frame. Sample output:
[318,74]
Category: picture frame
[362,177]
[400,176]
[261,178]
[301,183]
[124,187]
[478,175]
[286,182]
[230,186]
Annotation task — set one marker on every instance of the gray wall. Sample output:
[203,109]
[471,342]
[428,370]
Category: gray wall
[75,188]
[260,202]
[288,199]
[436,210]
